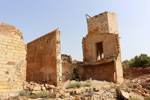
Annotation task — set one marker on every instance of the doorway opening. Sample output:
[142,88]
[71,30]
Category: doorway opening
[99,51]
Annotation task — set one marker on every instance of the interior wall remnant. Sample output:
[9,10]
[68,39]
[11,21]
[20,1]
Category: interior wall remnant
[12,61]
[98,72]
[70,68]
[44,59]
[109,41]
[101,49]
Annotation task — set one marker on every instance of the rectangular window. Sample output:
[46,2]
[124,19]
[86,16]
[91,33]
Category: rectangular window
[99,50]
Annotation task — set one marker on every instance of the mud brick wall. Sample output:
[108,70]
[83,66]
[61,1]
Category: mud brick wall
[110,48]
[102,28]
[12,60]
[103,23]
[69,68]
[44,59]
[98,72]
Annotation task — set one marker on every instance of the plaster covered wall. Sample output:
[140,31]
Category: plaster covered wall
[12,61]
[110,48]
[98,72]
[44,59]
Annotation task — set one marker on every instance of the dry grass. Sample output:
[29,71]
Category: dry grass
[78,85]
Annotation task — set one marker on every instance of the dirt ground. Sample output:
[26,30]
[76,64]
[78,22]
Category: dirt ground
[136,73]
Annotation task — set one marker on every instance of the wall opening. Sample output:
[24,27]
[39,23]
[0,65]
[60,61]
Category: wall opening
[99,51]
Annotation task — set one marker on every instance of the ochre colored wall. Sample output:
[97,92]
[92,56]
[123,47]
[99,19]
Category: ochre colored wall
[66,71]
[44,59]
[67,67]
[103,28]
[12,61]
[103,23]
[109,46]
[98,72]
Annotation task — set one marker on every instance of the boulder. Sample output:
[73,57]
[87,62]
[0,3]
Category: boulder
[124,95]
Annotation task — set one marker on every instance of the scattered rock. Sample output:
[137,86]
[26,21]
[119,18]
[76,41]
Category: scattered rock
[99,90]
[125,95]
[134,95]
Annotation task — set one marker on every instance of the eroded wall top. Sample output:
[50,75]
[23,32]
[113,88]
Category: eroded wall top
[103,23]
[9,30]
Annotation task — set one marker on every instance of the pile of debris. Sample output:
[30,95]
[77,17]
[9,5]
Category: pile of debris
[95,90]
[36,88]
[136,86]
[70,68]
[98,90]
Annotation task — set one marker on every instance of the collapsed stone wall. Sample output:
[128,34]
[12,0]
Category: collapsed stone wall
[12,60]
[70,68]
[44,59]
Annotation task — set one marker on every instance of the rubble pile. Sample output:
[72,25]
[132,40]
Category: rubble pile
[136,86]
[97,90]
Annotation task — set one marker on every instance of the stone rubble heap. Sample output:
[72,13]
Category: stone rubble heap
[136,86]
[98,90]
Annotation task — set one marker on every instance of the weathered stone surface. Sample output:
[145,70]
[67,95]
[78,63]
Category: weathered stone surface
[103,23]
[134,95]
[125,95]
[101,49]
[12,60]
[44,55]
[10,30]
[70,69]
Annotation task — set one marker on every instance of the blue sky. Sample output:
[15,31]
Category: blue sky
[38,17]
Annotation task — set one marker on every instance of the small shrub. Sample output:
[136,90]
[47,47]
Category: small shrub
[125,63]
[148,87]
[86,85]
[140,61]
[33,96]
[42,94]
[78,85]
[25,93]
[90,91]
[134,99]
[74,85]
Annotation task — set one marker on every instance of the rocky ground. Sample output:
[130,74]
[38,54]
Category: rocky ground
[97,90]
[136,85]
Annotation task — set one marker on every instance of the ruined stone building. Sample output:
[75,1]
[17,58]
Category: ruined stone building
[12,60]
[44,59]
[46,64]
[101,49]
